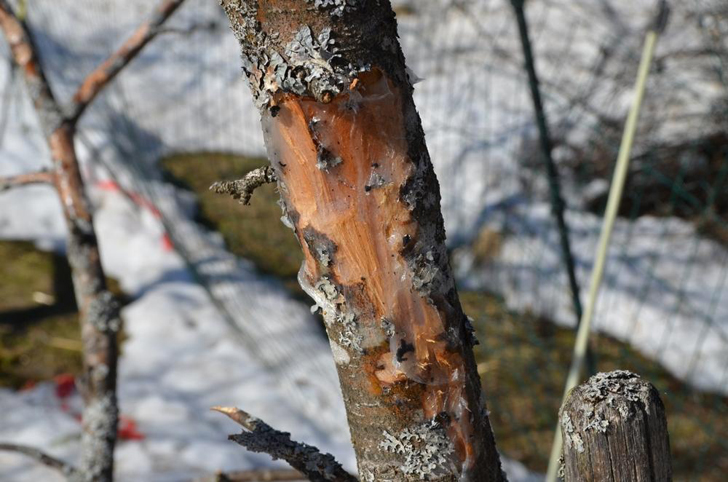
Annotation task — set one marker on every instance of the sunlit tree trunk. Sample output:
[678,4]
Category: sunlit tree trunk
[358,187]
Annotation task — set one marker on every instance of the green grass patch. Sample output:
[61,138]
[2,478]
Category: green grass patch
[40,336]
[253,232]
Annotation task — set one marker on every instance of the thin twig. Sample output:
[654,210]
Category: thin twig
[48,460]
[40,177]
[190,30]
[261,475]
[243,188]
[260,437]
[109,68]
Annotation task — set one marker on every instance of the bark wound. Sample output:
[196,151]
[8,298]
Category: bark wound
[374,289]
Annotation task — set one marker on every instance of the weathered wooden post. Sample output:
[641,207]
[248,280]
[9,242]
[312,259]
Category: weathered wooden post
[614,429]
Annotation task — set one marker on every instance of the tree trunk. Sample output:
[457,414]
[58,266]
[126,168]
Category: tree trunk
[358,188]
[98,310]
[614,429]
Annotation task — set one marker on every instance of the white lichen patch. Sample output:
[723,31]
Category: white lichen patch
[303,66]
[367,476]
[349,335]
[325,160]
[337,315]
[387,327]
[599,425]
[425,272]
[99,420]
[341,356]
[571,438]
[328,289]
[103,312]
[338,7]
[426,449]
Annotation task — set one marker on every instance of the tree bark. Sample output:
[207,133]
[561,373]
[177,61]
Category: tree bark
[358,188]
[614,429]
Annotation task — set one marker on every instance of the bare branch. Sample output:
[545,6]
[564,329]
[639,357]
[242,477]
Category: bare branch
[40,177]
[42,457]
[109,68]
[243,188]
[263,475]
[190,30]
[261,437]
[24,55]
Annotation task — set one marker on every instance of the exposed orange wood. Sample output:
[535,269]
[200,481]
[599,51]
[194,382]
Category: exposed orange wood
[356,205]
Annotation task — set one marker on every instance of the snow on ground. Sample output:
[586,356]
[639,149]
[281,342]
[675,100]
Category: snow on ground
[679,317]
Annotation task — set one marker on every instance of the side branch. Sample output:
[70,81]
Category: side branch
[105,73]
[260,437]
[42,457]
[243,188]
[41,177]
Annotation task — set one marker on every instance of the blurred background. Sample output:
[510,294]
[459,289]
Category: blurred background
[213,314]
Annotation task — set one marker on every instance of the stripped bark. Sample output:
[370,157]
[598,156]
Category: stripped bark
[260,437]
[358,187]
[98,309]
[614,430]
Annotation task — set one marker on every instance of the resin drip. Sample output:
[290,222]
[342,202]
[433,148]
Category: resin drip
[342,166]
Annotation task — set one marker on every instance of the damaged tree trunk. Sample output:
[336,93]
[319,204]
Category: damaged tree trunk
[358,188]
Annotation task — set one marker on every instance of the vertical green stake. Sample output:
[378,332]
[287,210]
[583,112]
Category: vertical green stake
[557,201]
[615,196]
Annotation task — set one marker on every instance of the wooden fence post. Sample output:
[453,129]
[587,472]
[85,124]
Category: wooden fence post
[614,429]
